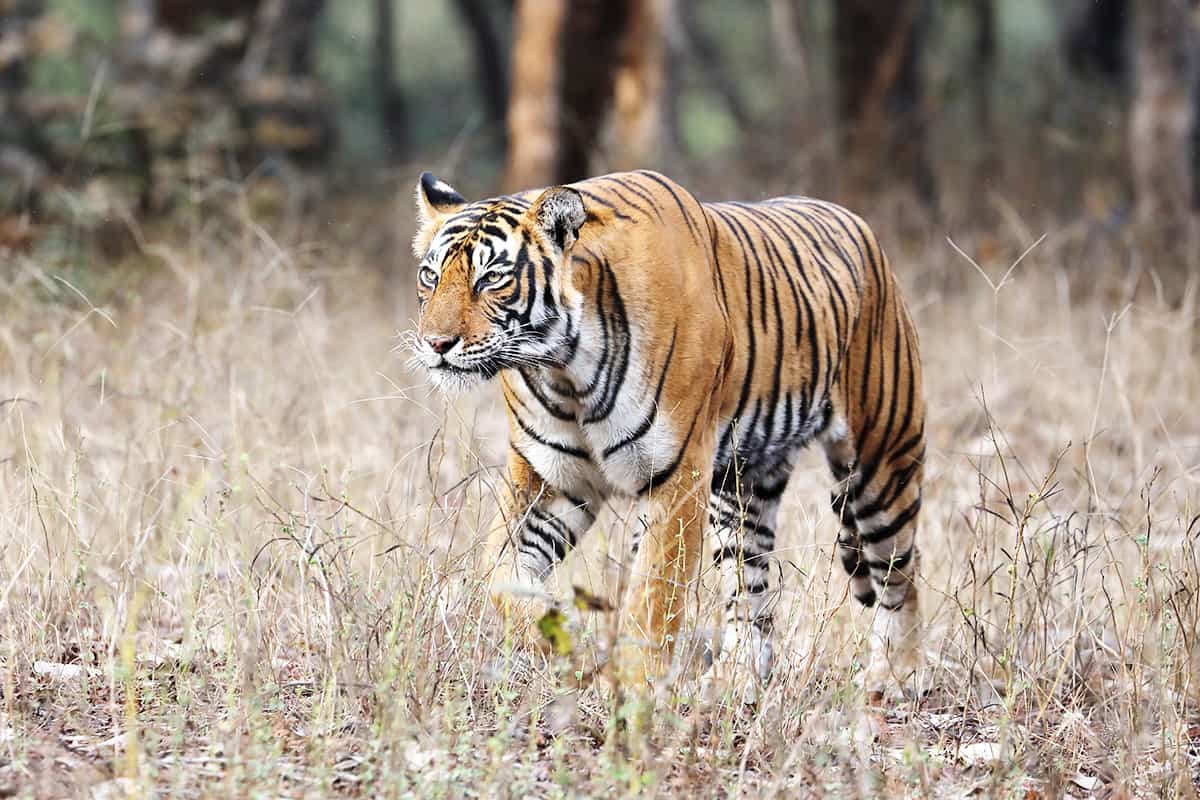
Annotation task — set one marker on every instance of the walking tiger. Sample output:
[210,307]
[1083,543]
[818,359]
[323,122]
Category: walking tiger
[652,346]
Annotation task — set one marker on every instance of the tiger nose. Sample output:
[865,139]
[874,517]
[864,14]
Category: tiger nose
[440,344]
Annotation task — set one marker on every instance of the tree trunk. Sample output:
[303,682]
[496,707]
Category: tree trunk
[25,155]
[640,86]
[282,106]
[533,107]
[790,25]
[1163,119]
[574,61]
[880,94]
[1095,37]
[391,99]
[675,41]
[787,30]
[488,53]
[591,46]
[984,64]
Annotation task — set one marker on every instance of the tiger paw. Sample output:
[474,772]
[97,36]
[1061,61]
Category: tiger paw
[635,666]
[521,616]
[893,676]
[893,668]
[740,671]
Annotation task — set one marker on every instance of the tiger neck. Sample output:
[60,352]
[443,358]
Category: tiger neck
[596,354]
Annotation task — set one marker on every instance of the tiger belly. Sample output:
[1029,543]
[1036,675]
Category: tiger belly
[769,435]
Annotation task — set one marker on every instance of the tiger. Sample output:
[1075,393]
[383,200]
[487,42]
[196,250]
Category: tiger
[682,353]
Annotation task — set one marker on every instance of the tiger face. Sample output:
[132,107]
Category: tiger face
[493,282]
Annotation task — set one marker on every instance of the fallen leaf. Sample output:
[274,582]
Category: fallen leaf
[553,627]
[586,601]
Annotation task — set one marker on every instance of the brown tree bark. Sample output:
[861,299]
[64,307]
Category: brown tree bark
[533,106]
[791,25]
[1163,119]
[284,38]
[787,38]
[590,49]
[576,65]
[282,105]
[879,95]
[640,84]
[25,155]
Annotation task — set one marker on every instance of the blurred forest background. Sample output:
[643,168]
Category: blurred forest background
[952,110]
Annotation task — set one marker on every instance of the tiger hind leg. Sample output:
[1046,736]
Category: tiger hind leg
[877,502]
[849,544]
[742,523]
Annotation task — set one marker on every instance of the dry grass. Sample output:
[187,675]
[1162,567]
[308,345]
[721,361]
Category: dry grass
[236,541]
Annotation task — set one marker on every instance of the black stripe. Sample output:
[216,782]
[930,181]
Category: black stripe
[648,422]
[728,552]
[565,449]
[639,191]
[618,363]
[621,196]
[772,492]
[560,546]
[661,181]
[747,379]
[595,198]
[552,408]
[892,528]
[665,474]
[539,545]
[854,565]
[557,525]
[887,495]
[893,564]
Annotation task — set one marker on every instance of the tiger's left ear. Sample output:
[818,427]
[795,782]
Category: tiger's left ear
[559,213]
[436,200]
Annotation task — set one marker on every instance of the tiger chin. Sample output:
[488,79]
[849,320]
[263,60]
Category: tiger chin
[680,354]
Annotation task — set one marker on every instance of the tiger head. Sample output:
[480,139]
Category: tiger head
[493,281]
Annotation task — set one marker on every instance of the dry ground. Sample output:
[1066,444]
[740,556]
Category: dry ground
[236,540]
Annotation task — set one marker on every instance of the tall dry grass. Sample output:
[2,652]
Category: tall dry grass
[237,545]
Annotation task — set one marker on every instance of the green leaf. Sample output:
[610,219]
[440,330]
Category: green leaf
[553,627]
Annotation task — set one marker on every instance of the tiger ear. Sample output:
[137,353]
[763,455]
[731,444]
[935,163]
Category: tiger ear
[436,200]
[559,213]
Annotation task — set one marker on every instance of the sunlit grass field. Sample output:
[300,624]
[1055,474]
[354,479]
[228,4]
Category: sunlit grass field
[239,540]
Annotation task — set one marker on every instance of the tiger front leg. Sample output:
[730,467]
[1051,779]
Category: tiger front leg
[663,573]
[516,591]
[536,528]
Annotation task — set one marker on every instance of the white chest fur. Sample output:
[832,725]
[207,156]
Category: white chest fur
[586,446]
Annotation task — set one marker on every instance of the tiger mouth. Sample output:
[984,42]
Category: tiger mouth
[487,368]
